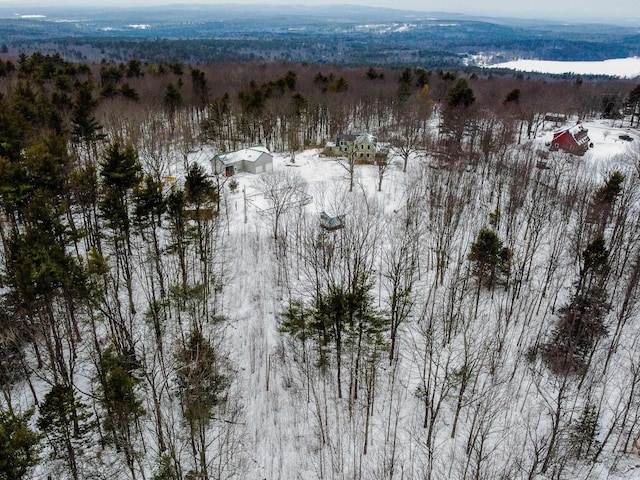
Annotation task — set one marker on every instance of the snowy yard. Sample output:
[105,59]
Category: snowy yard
[297,427]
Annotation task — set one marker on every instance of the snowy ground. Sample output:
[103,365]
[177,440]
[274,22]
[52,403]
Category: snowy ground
[618,67]
[604,135]
[321,172]
[287,406]
[282,437]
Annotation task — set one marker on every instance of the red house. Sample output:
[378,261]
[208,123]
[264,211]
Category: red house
[573,140]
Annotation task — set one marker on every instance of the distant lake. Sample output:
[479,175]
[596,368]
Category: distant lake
[619,67]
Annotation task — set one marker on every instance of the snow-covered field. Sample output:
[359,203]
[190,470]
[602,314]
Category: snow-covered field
[618,67]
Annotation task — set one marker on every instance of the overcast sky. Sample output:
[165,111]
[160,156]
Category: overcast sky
[627,11]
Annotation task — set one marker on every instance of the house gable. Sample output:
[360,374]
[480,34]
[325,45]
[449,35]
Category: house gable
[573,140]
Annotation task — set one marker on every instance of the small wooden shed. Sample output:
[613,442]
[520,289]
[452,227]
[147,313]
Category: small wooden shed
[331,224]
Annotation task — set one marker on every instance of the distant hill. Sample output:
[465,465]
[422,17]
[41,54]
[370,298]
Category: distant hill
[322,34]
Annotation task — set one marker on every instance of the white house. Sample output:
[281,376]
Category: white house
[364,146]
[250,160]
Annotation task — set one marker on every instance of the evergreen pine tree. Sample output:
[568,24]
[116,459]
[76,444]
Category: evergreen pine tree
[491,261]
[18,445]
[65,422]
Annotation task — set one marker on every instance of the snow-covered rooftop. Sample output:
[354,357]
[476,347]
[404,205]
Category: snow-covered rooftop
[365,137]
[247,155]
[579,133]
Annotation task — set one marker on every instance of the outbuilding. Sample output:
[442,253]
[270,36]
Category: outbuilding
[250,160]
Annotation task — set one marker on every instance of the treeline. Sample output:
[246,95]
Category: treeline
[332,51]
[237,105]
[358,37]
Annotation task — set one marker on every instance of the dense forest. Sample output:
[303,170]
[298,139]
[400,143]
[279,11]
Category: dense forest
[321,34]
[476,317]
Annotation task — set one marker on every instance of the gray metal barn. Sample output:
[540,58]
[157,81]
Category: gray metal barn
[250,160]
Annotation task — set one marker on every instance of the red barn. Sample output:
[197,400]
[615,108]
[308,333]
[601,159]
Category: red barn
[573,140]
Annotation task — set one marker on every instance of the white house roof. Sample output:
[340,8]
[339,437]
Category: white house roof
[247,155]
[361,138]
[365,138]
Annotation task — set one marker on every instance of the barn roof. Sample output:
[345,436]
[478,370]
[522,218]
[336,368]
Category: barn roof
[577,132]
[246,154]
